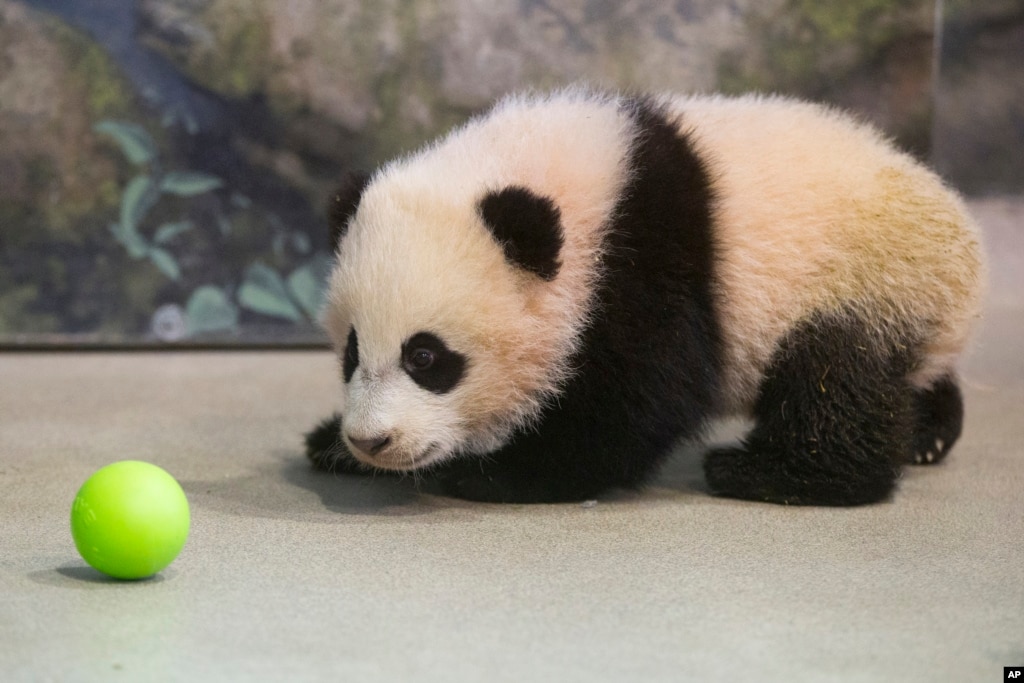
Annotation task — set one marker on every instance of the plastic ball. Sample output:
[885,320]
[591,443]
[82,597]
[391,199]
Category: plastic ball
[130,519]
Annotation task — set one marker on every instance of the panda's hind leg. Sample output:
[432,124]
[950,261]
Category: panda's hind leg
[834,420]
[939,418]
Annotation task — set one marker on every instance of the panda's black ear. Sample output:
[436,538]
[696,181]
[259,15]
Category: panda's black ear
[344,203]
[527,226]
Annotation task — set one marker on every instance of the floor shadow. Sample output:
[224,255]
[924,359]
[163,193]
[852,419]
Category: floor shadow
[83,576]
[279,488]
[359,494]
[390,494]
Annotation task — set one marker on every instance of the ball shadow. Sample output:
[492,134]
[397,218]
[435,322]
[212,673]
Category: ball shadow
[83,576]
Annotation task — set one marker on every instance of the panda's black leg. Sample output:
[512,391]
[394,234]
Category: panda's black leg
[328,452]
[834,420]
[939,418]
[564,461]
[491,481]
[513,475]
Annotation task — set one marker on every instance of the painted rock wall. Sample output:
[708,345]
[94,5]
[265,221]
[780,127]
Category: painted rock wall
[164,164]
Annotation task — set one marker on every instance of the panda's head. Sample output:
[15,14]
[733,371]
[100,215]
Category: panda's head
[441,309]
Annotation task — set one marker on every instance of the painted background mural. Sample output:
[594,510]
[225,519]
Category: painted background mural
[164,164]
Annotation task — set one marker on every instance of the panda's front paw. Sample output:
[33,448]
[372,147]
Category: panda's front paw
[490,482]
[326,450]
[495,482]
[477,486]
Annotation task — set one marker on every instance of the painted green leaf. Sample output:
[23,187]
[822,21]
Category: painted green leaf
[139,197]
[301,243]
[263,291]
[189,183]
[209,310]
[136,144]
[308,282]
[168,231]
[191,125]
[240,201]
[163,260]
[131,240]
[224,225]
[277,245]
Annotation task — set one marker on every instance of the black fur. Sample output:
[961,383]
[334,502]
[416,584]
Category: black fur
[835,416]
[939,417]
[648,360]
[446,367]
[344,204]
[351,361]
[834,420]
[528,228]
[328,452]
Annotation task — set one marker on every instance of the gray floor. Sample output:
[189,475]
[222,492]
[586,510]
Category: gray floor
[293,575]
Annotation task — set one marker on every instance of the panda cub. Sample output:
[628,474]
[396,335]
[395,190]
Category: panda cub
[542,304]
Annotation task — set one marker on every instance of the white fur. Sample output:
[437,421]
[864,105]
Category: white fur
[417,257]
[814,211]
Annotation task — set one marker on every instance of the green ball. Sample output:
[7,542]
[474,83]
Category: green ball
[130,519]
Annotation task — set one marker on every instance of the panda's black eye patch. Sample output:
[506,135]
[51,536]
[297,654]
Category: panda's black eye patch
[431,364]
[421,359]
[351,360]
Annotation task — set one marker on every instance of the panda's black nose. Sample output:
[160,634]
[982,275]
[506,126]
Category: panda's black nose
[371,446]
